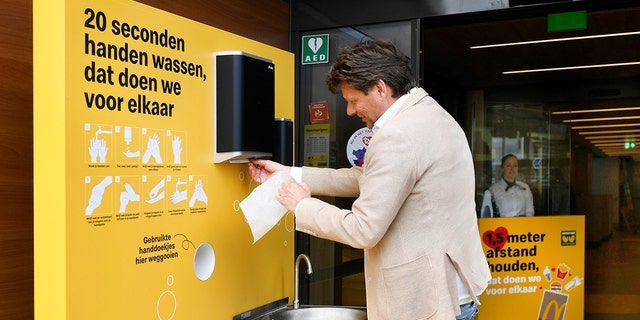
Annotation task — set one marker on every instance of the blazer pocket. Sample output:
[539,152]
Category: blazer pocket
[411,289]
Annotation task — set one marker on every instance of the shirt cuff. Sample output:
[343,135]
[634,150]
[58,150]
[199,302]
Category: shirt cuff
[296,173]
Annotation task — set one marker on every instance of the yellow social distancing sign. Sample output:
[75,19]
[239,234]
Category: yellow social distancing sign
[537,264]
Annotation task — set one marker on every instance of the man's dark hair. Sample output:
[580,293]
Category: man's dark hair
[367,62]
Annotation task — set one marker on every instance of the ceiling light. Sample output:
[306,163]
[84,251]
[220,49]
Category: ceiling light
[608,144]
[612,137]
[596,110]
[608,131]
[556,40]
[622,152]
[601,119]
[609,141]
[620,125]
[606,65]
[609,150]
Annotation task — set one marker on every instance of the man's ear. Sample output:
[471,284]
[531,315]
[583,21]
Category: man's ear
[381,87]
[383,90]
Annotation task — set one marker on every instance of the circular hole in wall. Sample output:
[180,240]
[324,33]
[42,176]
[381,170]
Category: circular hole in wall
[204,261]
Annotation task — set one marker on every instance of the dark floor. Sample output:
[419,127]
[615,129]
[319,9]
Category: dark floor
[612,279]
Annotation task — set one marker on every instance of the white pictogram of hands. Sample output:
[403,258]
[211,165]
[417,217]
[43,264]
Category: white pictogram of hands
[198,195]
[177,149]
[156,194]
[130,154]
[153,149]
[95,200]
[98,149]
[178,195]
[126,196]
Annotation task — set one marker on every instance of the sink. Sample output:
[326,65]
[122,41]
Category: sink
[280,310]
[320,313]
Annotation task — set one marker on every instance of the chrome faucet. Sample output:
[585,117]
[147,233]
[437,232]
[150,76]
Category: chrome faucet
[296,301]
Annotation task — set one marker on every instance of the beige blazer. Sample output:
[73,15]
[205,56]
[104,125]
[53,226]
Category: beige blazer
[414,215]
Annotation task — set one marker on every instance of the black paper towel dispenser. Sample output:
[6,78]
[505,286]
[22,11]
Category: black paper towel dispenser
[244,106]
[283,141]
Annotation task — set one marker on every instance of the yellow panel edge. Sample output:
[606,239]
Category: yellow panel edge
[49,91]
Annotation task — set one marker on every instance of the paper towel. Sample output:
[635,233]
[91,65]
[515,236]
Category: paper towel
[261,209]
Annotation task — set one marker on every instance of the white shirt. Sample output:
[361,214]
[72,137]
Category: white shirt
[390,112]
[516,201]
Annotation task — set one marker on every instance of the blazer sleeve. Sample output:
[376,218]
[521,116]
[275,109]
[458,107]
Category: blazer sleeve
[384,184]
[333,182]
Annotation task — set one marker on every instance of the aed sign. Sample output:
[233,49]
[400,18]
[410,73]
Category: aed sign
[315,49]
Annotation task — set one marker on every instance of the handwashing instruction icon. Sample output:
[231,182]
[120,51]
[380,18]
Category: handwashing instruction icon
[97,193]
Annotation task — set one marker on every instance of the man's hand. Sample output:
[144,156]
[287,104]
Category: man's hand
[262,170]
[292,192]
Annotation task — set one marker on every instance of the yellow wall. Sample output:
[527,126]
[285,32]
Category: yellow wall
[93,261]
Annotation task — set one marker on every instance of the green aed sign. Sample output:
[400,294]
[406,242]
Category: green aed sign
[315,49]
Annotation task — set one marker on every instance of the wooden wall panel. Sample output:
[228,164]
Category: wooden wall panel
[267,23]
[263,21]
[16,161]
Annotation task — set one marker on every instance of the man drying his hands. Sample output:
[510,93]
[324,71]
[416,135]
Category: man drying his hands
[414,213]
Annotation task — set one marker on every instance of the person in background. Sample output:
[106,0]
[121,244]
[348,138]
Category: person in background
[513,198]
[414,212]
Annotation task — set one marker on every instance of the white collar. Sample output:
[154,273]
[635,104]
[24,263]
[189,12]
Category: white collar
[391,112]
